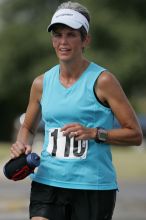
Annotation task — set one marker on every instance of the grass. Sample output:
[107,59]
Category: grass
[130,162]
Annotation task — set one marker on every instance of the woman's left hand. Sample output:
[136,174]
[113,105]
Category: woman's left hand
[78,131]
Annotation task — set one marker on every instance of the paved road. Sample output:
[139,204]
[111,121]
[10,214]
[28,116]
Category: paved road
[131,201]
[14,200]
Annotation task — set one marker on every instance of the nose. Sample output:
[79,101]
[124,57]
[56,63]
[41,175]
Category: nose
[63,39]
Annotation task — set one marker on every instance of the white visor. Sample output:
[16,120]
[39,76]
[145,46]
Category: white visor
[70,18]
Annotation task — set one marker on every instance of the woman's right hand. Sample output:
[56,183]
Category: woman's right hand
[19,148]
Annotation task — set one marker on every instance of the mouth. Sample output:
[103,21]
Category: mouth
[64,50]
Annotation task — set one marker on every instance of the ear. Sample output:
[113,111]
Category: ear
[86,41]
[52,42]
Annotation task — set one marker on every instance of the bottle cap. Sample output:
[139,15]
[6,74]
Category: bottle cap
[33,160]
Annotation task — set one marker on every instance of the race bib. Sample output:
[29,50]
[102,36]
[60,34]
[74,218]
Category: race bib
[63,147]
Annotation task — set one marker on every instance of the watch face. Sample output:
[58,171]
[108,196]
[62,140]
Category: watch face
[102,135]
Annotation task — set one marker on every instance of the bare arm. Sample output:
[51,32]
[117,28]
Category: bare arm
[109,90]
[30,124]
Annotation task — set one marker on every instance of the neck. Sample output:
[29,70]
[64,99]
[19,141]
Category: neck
[70,72]
[73,69]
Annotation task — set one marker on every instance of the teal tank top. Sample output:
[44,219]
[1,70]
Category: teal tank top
[66,162]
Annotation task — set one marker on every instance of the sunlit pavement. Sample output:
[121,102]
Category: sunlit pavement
[14,196]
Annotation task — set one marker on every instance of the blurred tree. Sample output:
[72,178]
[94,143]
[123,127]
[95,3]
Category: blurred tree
[118,43]
[25,48]
[118,40]
[125,21]
[136,7]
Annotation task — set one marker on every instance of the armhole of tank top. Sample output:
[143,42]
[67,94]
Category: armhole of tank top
[44,85]
[97,98]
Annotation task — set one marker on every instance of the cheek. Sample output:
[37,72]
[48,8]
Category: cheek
[54,44]
[78,46]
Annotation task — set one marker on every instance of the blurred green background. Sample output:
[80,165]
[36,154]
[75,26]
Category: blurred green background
[118,43]
[118,31]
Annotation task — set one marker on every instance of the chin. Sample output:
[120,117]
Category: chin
[64,59]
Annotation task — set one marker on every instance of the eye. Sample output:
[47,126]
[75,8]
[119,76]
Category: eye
[56,34]
[72,34]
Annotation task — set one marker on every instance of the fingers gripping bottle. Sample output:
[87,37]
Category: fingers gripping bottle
[20,167]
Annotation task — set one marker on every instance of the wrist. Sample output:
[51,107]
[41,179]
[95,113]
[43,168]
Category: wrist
[101,135]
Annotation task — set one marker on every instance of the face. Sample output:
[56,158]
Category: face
[67,43]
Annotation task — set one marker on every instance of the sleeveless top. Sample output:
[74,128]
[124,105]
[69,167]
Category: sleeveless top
[66,162]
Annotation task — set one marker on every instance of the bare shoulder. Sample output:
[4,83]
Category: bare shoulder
[38,82]
[108,88]
[107,79]
[37,87]
[108,83]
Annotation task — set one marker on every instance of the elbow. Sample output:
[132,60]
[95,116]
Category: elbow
[138,138]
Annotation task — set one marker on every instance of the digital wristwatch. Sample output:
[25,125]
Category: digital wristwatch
[101,135]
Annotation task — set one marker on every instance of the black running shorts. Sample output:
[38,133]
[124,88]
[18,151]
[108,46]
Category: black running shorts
[56,203]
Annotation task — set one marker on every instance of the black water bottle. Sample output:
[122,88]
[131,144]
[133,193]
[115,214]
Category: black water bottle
[22,166]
